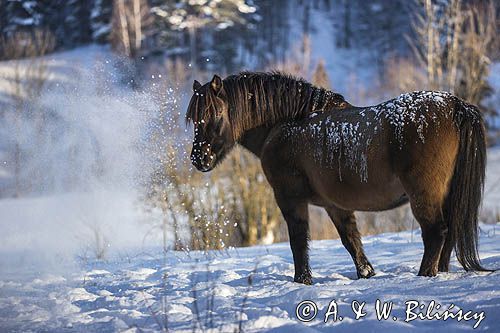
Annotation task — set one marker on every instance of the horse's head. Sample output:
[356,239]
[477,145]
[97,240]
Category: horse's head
[209,112]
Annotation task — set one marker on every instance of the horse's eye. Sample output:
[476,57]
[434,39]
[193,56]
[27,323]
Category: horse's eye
[218,126]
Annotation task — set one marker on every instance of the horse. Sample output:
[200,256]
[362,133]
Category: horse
[427,148]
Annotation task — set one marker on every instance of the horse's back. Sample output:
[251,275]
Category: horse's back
[366,158]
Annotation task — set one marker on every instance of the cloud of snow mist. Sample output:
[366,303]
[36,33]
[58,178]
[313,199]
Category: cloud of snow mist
[85,163]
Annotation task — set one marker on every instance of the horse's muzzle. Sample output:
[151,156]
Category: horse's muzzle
[203,160]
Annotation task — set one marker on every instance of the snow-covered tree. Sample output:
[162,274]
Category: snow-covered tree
[192,15]
[100,20]
[77,21]
[53,19]
[21,15]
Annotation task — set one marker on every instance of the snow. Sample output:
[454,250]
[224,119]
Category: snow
[46,234]
[339,138]
[101,125]
[407,108]
[252,287]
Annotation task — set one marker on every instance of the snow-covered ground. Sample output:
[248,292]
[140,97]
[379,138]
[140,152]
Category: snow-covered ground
[251,289]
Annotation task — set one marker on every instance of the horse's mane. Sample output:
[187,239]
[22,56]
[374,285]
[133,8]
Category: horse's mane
[260,98]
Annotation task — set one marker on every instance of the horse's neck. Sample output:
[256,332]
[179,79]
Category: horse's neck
[259,114]
[254,139]
[256,105]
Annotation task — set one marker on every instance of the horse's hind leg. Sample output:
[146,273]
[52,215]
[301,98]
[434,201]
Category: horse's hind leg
[345,222]
[426,207]
[425,172]
[433,235]
[444,260]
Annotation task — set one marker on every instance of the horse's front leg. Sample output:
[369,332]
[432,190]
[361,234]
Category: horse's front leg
[345,222]
[296,215]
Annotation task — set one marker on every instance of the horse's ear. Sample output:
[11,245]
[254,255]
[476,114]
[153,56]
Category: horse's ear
[216,83]
[196,86]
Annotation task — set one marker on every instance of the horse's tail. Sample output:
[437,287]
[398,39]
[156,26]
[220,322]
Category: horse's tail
[467,185]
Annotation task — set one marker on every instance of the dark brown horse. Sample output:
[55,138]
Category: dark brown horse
[427,148]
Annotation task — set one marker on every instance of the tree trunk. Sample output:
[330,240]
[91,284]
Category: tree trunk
[192,48]
[124,27]
[137,25]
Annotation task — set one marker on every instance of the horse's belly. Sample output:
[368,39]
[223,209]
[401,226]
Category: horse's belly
[350,193]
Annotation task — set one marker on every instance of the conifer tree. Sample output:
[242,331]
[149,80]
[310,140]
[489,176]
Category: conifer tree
[78,22]
[100,20]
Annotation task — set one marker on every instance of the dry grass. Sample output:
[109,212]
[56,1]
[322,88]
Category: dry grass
[232,206]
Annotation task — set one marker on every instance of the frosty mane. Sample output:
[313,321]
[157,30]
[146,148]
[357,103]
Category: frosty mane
[264,99]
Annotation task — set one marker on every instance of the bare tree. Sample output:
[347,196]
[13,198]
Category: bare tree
[320,76]
[453,42]
[130,19]
[479,39]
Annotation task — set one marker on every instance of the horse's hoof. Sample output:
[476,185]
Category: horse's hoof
[365,272]
[304,279]
[428,273]
[444,268]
